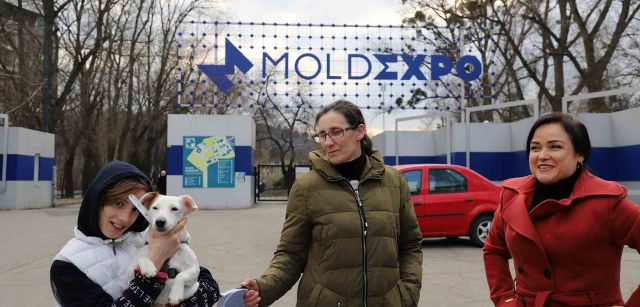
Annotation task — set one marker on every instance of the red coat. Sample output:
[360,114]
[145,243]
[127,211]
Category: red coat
[565,253]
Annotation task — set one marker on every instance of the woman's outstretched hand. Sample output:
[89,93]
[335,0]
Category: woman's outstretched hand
[252,296]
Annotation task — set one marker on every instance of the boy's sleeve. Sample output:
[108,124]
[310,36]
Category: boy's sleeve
[72,287]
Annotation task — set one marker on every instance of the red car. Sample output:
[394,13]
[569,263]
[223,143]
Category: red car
[451,200]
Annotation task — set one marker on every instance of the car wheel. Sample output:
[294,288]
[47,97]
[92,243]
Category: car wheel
[480,230]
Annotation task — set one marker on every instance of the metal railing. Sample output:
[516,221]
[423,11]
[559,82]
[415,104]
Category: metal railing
[5,151]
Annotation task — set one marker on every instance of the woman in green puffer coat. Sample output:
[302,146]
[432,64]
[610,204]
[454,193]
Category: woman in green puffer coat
[350,228]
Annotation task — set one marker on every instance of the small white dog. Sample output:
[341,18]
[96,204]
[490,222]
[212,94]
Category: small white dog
[166,212]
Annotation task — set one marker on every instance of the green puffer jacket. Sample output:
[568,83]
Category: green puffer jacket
[326,237]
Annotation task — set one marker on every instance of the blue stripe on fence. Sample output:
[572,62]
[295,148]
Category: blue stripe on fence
[46,169]
[610,163]
[21,168]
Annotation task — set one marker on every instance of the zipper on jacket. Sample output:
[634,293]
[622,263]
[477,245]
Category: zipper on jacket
[113,244]
[355,185]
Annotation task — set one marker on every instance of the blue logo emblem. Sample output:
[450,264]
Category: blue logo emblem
[218,73]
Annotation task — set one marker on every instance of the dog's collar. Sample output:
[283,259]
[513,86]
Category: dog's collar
[181,242]
[171,272]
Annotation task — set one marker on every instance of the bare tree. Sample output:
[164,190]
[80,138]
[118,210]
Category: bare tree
[584,37]
[428,19]
[557,46]
[284,122]
[157,82]
[21,78]
[83,38]
[109,72]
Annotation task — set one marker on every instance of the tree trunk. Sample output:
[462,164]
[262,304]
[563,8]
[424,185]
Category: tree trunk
[594,83]
[67,179]
[50,50]
[91,165]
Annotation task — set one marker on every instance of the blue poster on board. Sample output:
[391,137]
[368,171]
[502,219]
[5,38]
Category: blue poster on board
[208,162]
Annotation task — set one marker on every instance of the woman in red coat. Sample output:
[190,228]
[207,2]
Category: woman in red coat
[564,227]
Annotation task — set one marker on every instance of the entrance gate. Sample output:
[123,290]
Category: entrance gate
[270,182]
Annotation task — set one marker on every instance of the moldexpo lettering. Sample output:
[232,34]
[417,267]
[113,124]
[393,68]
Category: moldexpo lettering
[468,68]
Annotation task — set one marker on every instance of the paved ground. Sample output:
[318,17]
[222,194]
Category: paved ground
[234,244]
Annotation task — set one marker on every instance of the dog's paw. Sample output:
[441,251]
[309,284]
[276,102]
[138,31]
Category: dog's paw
[176,295]
[147,268]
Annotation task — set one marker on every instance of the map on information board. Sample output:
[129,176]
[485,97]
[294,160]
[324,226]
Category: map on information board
[208,162]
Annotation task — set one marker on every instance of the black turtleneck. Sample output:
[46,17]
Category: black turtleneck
[352,170]
[559,190]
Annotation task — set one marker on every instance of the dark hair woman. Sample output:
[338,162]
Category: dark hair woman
[564,227]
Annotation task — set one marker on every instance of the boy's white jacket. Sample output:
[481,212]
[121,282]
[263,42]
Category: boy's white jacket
[104,265]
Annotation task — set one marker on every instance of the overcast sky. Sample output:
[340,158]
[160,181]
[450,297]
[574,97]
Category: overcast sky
[327,11]
[362,12]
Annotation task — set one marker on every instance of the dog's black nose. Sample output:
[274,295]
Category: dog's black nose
[160,223]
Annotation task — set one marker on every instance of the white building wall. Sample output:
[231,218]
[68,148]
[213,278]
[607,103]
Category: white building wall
[484,137]
[411,143]
[519,131]
[439,144]
[599,127]
[36,191]
[611,134]
[626,125]
[605,130]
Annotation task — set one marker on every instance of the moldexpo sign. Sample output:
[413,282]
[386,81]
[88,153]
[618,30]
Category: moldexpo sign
[468,68]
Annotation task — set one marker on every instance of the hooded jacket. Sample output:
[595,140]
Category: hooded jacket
[92,270]
[89,215]
[565,252]
[357,244]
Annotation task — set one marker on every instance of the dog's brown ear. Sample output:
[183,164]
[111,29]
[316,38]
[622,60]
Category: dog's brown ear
[189,203]
[148,199]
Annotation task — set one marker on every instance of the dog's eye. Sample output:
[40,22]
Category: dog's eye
[154,208]
[174,209]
